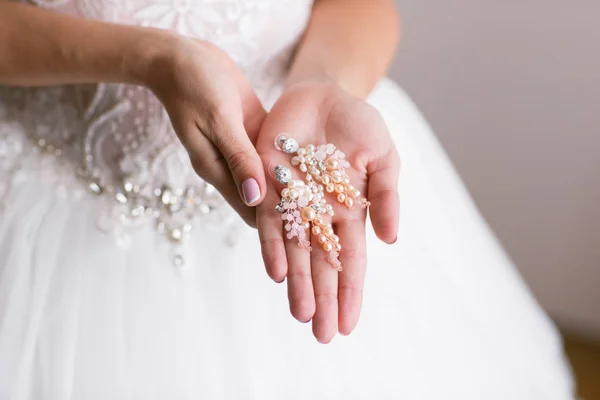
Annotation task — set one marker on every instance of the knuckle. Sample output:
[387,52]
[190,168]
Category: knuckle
[265,212]
[238,160]
[320,257]
[353,289]
[326,298]
[396,160]
[382,194]
[355,254]
[302,275]
[218,113]
[271,244]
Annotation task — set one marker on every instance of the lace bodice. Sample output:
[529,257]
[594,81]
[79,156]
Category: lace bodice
[117,138]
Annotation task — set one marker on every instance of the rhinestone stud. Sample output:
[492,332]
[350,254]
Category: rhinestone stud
[290,146]
[283,174]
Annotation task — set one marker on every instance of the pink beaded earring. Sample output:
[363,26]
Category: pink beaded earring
[303,205]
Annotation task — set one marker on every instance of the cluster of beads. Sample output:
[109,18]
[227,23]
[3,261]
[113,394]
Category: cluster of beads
[326,165]
[329,240]
[304,204]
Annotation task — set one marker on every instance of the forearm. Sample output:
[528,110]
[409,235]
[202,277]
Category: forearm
[349,42]
[39,47]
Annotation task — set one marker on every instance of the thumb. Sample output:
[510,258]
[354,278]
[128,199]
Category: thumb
[243,161]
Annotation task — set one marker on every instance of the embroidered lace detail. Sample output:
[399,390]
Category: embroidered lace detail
[116,140]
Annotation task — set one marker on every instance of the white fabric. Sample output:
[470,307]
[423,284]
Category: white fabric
[446,315]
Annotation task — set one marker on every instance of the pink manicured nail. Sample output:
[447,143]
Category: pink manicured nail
[250,191]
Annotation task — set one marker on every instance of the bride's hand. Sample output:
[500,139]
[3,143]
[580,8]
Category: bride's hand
[321,113]
[216,115]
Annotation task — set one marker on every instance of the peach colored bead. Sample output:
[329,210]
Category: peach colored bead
[335,238]
[306,225]
[326,179]
[328,231]
[346,181]
[330,187]
[309,214]
[332,164]
[338,247]
[327,246]
[316,230]
[339,188]
[341,197]
[349,202]
[356,193]
[322,239]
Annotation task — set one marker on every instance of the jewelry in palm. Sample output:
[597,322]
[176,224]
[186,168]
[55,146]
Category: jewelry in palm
[303,204]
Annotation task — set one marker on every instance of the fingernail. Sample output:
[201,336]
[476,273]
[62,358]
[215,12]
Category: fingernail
[250,191]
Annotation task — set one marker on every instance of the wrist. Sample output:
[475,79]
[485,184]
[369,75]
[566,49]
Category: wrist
[339,80]
[310,75]
[149,55]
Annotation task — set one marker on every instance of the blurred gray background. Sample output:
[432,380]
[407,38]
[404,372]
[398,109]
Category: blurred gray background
[512,90]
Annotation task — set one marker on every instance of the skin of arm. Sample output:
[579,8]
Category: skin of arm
[41,47]
[212,107]
[349,43]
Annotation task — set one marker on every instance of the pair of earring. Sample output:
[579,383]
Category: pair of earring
[303,205]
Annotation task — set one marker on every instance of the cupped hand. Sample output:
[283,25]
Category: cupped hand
[215,114]
[320,113]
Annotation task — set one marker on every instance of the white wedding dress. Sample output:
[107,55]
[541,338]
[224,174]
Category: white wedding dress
[123,276]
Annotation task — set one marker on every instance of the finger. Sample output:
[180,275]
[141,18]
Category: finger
[299,281]
[254,112]
[209,164]
[217,174]
[352,278]
[228,134]
[269,225]
[325,283]
[383,195]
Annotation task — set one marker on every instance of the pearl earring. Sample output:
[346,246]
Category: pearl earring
[303,205]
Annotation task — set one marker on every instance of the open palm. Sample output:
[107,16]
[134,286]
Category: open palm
[320,113]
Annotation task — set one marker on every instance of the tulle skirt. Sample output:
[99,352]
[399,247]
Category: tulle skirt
[445,315]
